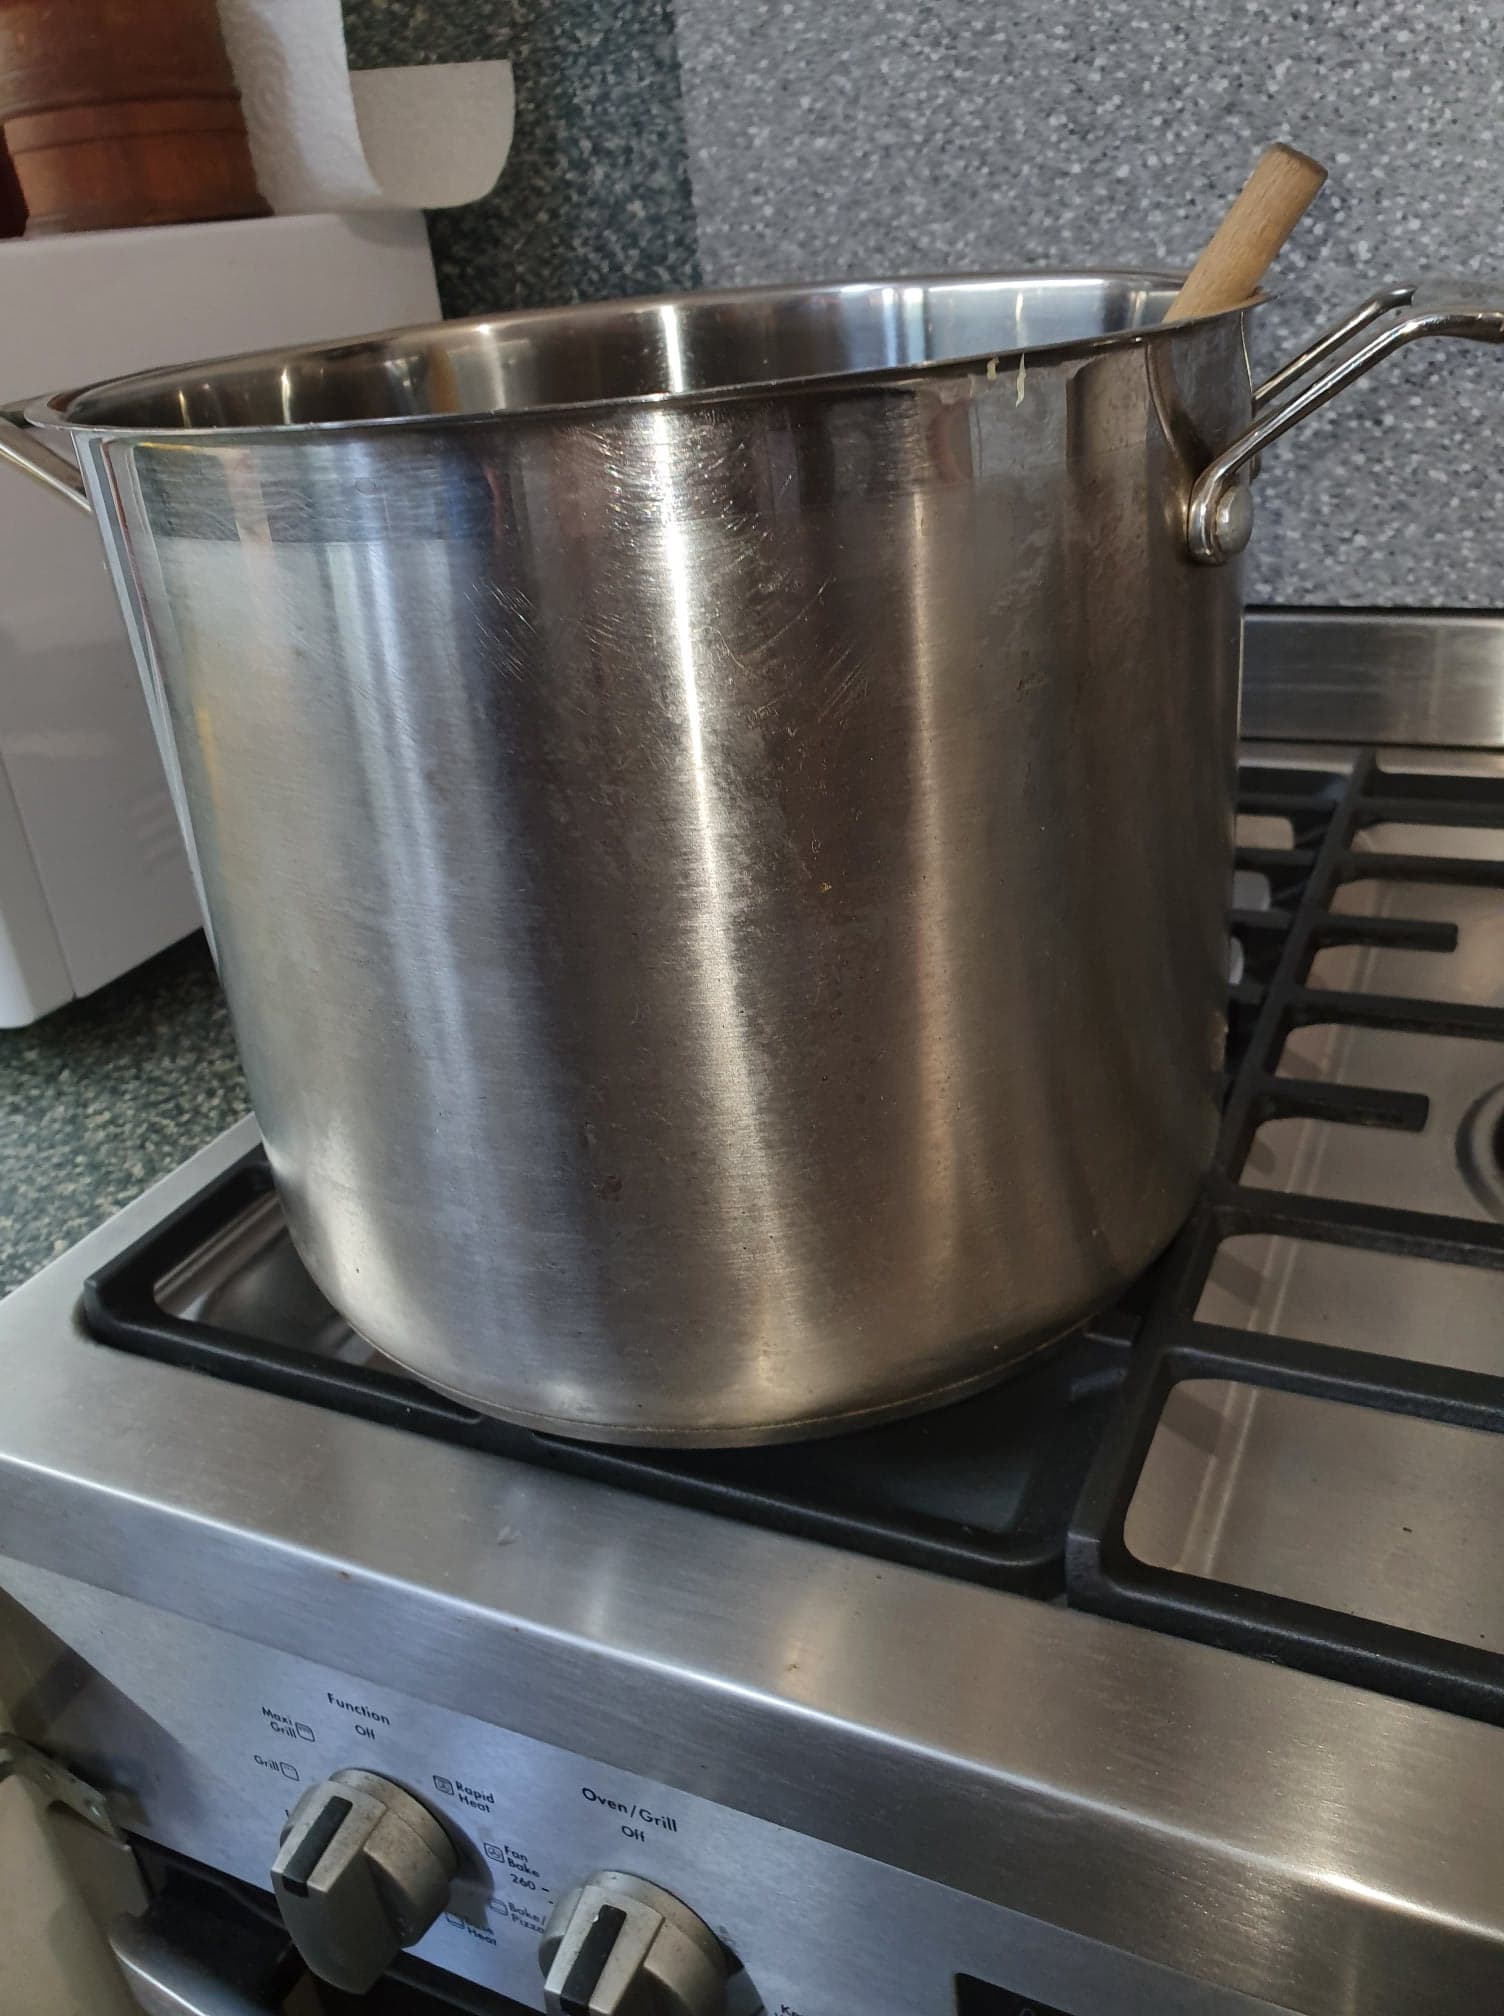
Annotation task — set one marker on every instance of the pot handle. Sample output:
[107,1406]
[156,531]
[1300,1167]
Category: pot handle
[23,447]
[1219,514]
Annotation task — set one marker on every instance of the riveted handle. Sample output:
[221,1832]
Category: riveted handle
[24,449]
[1219,514]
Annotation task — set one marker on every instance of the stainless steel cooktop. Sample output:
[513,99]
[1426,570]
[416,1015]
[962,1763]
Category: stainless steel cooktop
[1220,1733]
[1382,1515]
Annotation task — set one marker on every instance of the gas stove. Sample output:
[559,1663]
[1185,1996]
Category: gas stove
[1167,1676]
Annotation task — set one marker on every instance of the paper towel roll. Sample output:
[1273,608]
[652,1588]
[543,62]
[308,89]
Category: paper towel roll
[423,138]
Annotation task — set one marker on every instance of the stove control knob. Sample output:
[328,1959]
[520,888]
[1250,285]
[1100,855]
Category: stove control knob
[363,1871]
[619,1946]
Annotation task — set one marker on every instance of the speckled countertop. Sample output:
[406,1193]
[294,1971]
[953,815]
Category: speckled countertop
[100,1099]
[595,199]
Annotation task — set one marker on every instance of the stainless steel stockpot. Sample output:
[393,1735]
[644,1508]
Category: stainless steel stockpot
[715,813]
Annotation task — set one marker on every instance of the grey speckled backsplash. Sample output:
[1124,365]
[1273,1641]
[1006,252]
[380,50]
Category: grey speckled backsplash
[664,141]
[903,134]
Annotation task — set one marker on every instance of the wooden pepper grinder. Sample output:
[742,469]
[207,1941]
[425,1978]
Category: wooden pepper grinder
[122,112]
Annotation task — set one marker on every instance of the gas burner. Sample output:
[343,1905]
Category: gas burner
[982,1489]
[1344,1255]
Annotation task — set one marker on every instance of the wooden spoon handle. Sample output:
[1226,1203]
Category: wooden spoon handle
[1272,202]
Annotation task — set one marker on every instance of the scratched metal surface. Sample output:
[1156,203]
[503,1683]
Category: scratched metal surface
[675,866]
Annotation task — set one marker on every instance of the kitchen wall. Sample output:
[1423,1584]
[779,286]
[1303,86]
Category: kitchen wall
[664,141]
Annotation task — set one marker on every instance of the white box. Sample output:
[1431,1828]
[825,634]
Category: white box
[93,877]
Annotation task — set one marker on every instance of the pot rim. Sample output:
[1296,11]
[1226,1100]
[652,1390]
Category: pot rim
[86,411]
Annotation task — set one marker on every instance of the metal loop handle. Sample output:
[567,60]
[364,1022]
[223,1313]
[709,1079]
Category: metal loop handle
[23,448]
[1316,352]
[1218,516]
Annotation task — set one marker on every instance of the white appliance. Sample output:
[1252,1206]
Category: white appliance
[93,877]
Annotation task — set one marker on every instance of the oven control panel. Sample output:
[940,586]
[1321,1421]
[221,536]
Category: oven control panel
[385,1822]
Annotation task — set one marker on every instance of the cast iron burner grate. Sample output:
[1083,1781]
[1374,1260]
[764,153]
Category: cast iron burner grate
[1172,1344]
[983,1489]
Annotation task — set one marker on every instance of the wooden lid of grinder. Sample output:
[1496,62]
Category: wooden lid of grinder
[1244,245]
